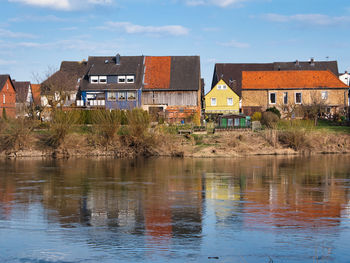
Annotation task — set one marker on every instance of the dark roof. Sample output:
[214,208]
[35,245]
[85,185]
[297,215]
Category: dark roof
[22,88]
[185,73]
[106,66]
[66,79]
[308,65]
[231,73]
[3,79]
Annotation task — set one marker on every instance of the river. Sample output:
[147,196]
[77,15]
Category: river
[256,209]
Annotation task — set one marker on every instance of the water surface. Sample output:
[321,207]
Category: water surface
[261,209]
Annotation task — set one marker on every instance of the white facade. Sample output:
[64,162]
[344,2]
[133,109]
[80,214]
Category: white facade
[345,78]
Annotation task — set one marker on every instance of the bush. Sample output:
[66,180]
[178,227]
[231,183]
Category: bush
[61,124]
[16,134]
[294,138]
[269,119]
[256,116]
[275,111]
[107,123]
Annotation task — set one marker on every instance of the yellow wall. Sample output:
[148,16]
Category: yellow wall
[221,100]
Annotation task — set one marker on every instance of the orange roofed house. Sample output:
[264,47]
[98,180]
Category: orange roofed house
[7,96]
[265,89]
[172,87]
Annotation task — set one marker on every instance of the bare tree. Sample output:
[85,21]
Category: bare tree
[314,106]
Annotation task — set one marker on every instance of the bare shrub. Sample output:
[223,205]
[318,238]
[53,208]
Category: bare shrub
[16,134]
[107,124]
[269,119]
[138,135]
[61,124]
[295,138]
[271,136]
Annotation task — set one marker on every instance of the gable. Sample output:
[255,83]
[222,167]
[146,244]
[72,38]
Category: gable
[5,79]
[215,92]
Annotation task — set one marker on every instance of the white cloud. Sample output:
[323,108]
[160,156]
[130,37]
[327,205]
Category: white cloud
[309,19]
[48,18]
[66,5]
[234,43]
[130,28]
[220,3]
[10,34]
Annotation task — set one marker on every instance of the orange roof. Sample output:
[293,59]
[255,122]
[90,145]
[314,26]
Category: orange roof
[36,93]
[157,72]
[290,79]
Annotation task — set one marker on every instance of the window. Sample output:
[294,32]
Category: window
[213,101]
[236,122]
[102,79]
[121,96]
[222,87]
[130,79]
[272,98]
[324,95]
[111,96]
[94,79]
[230,101]
[298,98]
[285,97]
[131,95]
[121,79]
[230,122]
[3,98]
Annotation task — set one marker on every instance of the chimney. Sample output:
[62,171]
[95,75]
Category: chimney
[117,59]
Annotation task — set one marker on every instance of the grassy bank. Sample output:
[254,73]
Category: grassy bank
[130,134]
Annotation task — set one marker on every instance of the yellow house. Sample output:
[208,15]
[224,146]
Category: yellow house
[221,99]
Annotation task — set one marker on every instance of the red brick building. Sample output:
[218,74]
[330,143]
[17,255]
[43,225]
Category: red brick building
[7,96]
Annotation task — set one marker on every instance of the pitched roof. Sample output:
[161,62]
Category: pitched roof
[36,94]
[66,78]
[290,79]
[157,72]
[175,73]
[231,73]
[22,88]
[308,65]
[3,79]
[107,66]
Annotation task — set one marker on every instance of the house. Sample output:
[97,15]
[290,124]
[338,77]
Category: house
[7,96]
[61,88]
[112,83]
[222,100]
[24,97]
[172,86]
[231,73]
[265,89]
[345,77]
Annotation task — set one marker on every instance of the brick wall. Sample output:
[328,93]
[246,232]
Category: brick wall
[8,95]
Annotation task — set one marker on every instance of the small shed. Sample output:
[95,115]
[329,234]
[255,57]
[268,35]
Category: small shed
[234,121]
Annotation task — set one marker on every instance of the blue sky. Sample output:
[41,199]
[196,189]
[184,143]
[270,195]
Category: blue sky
[36,35]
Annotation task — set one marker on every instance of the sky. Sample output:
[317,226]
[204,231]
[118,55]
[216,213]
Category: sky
[37,35]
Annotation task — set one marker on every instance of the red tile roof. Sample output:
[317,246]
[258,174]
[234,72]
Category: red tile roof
[290,79]
[157,72]
[36,94]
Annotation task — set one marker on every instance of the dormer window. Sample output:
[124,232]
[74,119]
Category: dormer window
[121,79]
[130,79]
[94,79]
[102,79]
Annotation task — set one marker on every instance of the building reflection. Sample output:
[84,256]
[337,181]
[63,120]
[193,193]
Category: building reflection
[162,201]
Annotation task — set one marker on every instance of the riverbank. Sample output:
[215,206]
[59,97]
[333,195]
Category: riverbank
[223,144]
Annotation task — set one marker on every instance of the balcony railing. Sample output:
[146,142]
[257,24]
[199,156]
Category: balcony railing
[91,103]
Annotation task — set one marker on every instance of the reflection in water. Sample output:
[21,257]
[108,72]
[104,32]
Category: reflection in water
[182,210]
